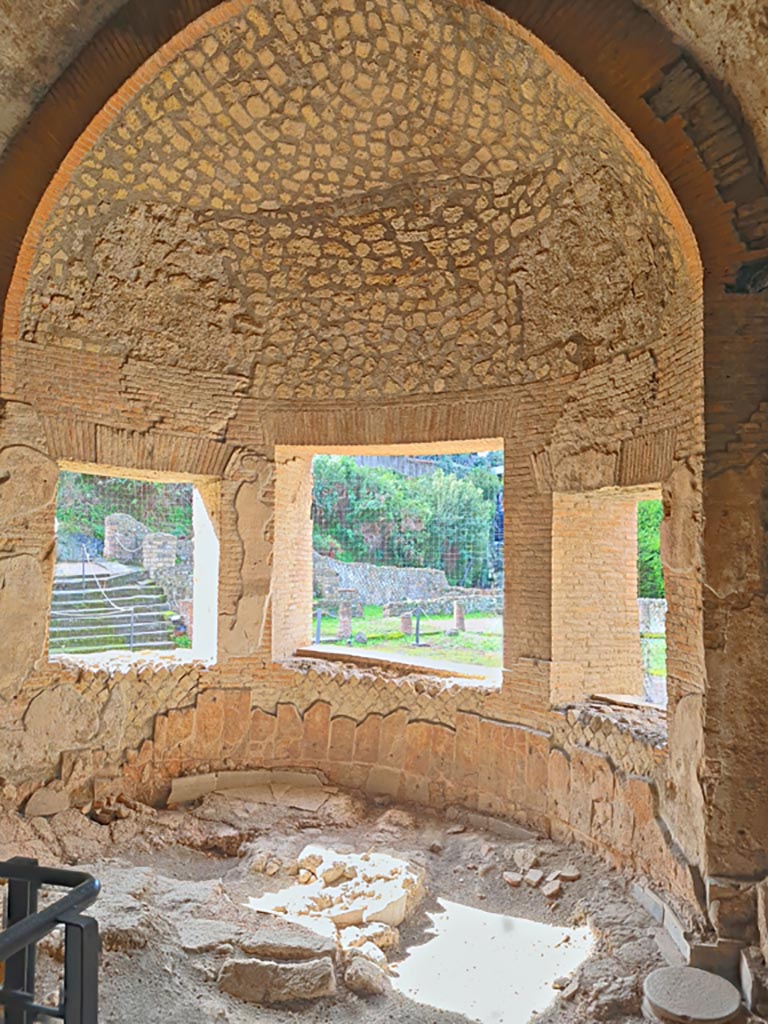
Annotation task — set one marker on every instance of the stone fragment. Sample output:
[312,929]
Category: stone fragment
[436,847]
[191,787]
[513,878]
[284,940]
[199,935]
[272,867]
[383,936]
[690,995]
[570,873]
[570,991]
[367,950]
[364,978]
[267,981]
[754,980]
[534,877]
[456,830]
[485,869]
[552,889]
[525,858]
[46,802]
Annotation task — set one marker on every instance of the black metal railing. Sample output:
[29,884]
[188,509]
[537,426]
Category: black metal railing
[25,925]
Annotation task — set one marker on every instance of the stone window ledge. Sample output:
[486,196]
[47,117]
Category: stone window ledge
[396,670]
[121,660]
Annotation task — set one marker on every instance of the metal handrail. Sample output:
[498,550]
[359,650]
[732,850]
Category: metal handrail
[84,891]
[25,926]
[87,558]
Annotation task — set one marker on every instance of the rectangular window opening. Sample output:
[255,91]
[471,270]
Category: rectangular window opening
[651,601]
[136,569]
[407,559]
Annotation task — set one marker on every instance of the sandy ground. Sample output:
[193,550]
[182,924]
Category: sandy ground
[174,885]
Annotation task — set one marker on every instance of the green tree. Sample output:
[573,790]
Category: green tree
[650,574]
[443,520]
[84,500]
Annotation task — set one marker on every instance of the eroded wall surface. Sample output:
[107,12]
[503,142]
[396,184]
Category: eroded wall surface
[296,227]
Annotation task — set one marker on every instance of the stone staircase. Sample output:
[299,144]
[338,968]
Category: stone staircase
[84,619]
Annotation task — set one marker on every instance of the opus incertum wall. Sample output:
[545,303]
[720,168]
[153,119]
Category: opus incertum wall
[303,226]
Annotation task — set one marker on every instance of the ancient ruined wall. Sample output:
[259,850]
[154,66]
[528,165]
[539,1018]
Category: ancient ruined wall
[298,228]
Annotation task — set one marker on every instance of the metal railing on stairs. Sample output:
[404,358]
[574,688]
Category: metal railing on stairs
[25,925]
[119,612]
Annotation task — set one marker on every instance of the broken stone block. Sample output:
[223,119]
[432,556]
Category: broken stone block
[534,877]
[754,980]
[368,951]
[284,940]
[733,909]
[191,787]
[721,957]
[525,858]
[552,889]
[198,935]
[513,878]
[364,978]
[570,873]
[267,981]
[46,802]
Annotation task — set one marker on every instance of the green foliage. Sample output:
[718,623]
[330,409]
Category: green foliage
[650,575]
[182,640]
[84,500]
[441,521]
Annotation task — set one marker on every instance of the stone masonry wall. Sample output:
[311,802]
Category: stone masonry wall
[291,231]
[382,584]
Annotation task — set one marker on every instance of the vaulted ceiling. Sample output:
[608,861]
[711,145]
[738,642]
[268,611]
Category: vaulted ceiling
[40,38]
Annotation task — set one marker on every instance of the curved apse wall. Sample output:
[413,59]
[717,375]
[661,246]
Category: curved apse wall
[301,226]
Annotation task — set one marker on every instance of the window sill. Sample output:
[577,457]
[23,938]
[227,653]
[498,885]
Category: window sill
[130,659]
[462,675]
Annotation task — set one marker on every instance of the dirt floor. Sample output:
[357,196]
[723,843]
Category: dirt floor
[175,883]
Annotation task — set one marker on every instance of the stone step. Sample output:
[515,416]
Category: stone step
[96,648]
[67,582]
[147,587]
[110,625]
[72,606]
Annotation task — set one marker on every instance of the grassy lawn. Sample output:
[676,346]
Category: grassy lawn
[481,646]
[654,650]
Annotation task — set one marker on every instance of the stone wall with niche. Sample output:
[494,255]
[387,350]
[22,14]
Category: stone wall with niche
[413,279]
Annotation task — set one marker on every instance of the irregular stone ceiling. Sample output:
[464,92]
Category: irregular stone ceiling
[311,188]
[39,38]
